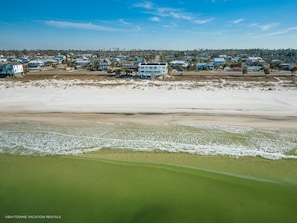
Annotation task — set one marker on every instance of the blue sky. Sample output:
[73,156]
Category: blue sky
[131,24]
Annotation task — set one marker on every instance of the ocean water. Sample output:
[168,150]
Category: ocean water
[36,139]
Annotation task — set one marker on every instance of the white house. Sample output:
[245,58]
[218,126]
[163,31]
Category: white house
[35,64]
[11,69]
[255,60]
[219,61]
[115,60]
[60,58]
[81,63]
[254,68]
[121,57]
[179,63]
[152,70]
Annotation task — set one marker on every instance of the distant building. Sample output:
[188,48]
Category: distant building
[139,60]
[203,59]
[169,57]
[179,63]
[219,61]
[132,67]
[151,70]
[24,59]
[115,60]
[60,58]
[104,64]
[121,57]
[2,59]
[251,60]
[12,69]
[81,63]
[223,56]
[49,62]
[204,66]
[287,66]
[36,64]
[254,68]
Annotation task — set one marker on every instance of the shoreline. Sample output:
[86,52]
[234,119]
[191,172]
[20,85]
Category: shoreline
[93,119]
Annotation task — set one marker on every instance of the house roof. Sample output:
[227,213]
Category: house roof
[178,62]
[219,59]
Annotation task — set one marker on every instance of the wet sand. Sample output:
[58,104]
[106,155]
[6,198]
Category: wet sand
[189,119]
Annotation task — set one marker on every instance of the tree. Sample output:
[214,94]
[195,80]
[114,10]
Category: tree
[266,71]
[244,70]
[24,52]
[294,70]
[118,72]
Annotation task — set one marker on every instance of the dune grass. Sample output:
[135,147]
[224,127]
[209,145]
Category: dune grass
[97,189]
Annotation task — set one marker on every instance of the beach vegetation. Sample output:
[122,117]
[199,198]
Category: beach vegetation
[266,71]
[294,70]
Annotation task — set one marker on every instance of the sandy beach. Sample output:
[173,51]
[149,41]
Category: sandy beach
[255,104]
[208,117]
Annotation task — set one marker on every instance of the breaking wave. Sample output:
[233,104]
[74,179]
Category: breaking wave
[33,139]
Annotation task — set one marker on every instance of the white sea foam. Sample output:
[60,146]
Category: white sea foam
[41,140]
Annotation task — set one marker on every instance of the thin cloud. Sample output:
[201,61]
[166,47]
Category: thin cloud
[145,5]
[85,26]
[155,19]
[122,21]
[169,26]
[175,13]
[253,24]
[265,27]
[200,22]
[237,21]
[268,26]
[181,16]
[168,12]
[293,28]
[277,33]
[138,28]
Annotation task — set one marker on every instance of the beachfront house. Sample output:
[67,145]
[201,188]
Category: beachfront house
[219,61]
[12,69]
[253,60]
[115,60]
[104,64]
[179,64]
[254,68]
[81,63]
[121,57]
[139,60]
[60,59]
[3,60]
[152,70]
[36,64]
[204,66]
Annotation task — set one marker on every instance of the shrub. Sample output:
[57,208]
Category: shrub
[266,71]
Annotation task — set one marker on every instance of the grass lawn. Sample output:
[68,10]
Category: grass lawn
[105,187]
